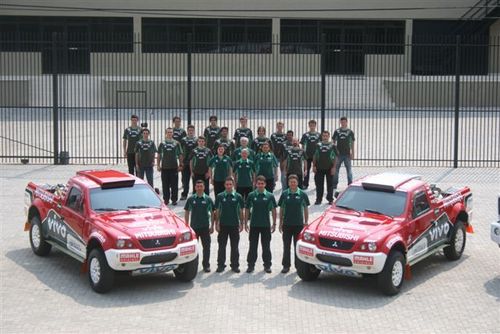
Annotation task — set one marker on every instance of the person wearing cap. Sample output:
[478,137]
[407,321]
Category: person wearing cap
[200,157]
[324,167]
[295,162]
[309,142]
[130,137]
[260,140]
[169,162]
[293,217]
[145,150]
[242,131]
[266,165]
[211,132]
[244,173]
[243,146]
[188,144]
[224,141]
[259,204]
[179,132]
[221,166]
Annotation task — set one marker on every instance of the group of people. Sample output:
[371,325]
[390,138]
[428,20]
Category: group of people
[243,172]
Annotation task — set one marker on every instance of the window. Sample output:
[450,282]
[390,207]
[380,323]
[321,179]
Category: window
[75,200]
[360,199]
[420,204]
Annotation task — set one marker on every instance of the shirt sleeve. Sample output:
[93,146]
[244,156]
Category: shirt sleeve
[217,202]
[249,202]
[160,150]
[188,205]
[305,200]
[125,134]
[272,202]
[281,201]
[303,140]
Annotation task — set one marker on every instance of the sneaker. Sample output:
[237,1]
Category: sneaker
[183,197]
[330,202]
[206,269]
[166,202]
[250,270]
[268,270]
[236,270]
[285,270]
[220,269]
[174,203]
[317,203]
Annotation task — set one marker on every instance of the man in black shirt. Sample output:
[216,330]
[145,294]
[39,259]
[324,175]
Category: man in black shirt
[131,136]
[242,131]
[145,151]
[344,139]
[309,142]
[179,132]
[200,157]
[169,162]
[188,143]
[212,132]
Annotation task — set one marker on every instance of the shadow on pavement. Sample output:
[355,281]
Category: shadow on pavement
[492,287]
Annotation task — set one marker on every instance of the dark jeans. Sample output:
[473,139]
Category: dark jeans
[170,184]
[270,184]
[289,233]
[218,187]
[244,191]
[131,163]
[265,240]
[186,177]
[346,159]
[204,235]
[149,174]
[197,177]
[233,232]
[299,176]
[319,179]
[306,178]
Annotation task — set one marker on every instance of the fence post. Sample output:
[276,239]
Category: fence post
[189,75]
[323,81]
[55,99]
[457,101]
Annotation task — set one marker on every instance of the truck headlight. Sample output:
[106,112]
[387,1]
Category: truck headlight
[185,236]
[369,246]
[309,237]
[123,243]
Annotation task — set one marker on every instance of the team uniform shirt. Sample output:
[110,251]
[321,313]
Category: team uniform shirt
[179,133]
[237,153]
[188,144]
[200,158]
[242,132]
[221,166]
[244,169]
[201,208]
[265,163]
[132,136]
[324,155]
[169,151]
[287,146]
[277,141]
[309,142]
[146,150]
[229,206]
[211,135]
[295,160]
[260,204]
[258,142]
[292,204]
[228,145]
[344,138]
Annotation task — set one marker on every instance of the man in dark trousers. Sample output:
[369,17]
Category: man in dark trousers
[266,165]
[343,139]
[212,132]
[242,131]
[229,221]
[324,167]
[188,143]
[244,172]
[309,141]
[199,207]
[145,151]
[294,215]
[169,162]
[259,204]
[131,136]
[200,156]
[222,167]
[295,162]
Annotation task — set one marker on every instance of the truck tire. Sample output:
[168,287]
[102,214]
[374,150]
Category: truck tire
[101,276]
[187,272]
[37,241]
[456,247]
[390,280]
[307,272]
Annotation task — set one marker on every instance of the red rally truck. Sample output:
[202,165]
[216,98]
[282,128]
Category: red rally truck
[111,222]
[383,224]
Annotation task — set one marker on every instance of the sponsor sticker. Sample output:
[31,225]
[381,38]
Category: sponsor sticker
[338,270]
[153,269]
[306,251]
[130,257]
[187,250]
[339,234]
[363,260]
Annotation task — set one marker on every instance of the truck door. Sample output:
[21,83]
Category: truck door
[73,218]
[422,218]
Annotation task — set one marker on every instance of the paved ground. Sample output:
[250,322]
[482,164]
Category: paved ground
[49,295]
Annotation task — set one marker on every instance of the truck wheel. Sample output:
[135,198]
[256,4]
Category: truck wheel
[307,272]
[456,248]
[37,241]
[187,272]
[101,276]
[390,280]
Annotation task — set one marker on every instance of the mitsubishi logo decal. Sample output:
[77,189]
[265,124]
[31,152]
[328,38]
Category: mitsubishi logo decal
[157,242]
[335,245]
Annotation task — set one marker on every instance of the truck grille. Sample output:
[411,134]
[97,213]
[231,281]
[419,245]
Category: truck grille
[157,242]
[341,261]
[336,244]
[159,258]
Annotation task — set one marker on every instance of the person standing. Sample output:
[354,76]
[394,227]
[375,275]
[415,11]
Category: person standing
[309,141]
[295,162]
[200,208]
[324,167]
[131,136]
[258,205]
[243,146]
[242,131]
[244,172]
[221,166]
[229,222]
[287,146]
[188,143]
[293,217]
[200,157]
[224,141]
[211,132]
[169,162]
[277,140]
[145,150]
[260,140]
[343,139]
[179,132]
[266,165]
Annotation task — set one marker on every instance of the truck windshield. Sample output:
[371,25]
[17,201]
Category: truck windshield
[137,197]
[360,199]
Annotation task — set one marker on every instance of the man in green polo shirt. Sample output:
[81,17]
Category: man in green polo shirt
[229,222]
[266,165]
[309,141]
[258,205]
[294,215]
[243,146]
[221,166]
[169,163]
[199,207]
[244,172]
[324,167]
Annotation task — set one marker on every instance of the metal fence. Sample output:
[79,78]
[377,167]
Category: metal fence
[423,101]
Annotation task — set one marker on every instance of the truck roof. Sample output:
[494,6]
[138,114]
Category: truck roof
[390,182]
[106,179]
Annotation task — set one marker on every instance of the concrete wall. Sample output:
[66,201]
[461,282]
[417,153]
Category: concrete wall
[20,63]
[15,92]
[386,65]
